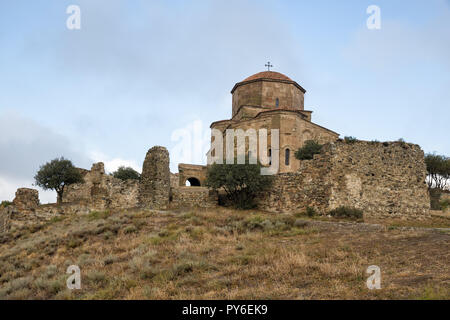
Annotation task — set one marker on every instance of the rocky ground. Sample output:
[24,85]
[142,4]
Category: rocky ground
[225,254]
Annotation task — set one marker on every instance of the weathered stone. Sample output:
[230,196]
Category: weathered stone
[201,197]
[382,179]
[5,218]
[26,200]
[101,191]
[192,173]
[154,187]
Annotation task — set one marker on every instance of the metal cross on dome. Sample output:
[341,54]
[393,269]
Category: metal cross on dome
[268,65]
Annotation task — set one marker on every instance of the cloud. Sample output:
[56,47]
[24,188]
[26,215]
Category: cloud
[25,145]
[112,164]
[402,44]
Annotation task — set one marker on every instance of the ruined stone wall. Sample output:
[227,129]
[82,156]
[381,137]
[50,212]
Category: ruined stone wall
[154,187]
[26,200]
[101,191]
[200,197]
[174,180]
[295,191]
[5,219]
[186,171]
[382,179]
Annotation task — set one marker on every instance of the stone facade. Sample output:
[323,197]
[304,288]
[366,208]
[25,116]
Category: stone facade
[382,179]
[154,188]
[26,200]
[101,191]
[188,197]
[270,100]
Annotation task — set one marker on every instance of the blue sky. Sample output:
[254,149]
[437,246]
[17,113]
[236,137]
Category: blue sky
[139,73]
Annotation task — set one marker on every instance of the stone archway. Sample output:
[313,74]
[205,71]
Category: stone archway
[193,182]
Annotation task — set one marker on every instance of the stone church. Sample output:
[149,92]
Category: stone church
[268,100]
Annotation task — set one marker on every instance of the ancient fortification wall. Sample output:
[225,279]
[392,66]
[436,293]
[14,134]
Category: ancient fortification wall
[101,191]
[382,179]
[188,197]
[26,200]
[154,188]
[5,219]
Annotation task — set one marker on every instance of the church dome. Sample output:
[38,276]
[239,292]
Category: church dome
[271,75]
[268,90]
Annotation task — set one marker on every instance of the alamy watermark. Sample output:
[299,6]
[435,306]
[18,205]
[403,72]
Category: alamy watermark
[374,281]
[74,281]
[73,22]
[374,20]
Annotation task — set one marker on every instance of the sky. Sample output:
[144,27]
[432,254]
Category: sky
[141,73]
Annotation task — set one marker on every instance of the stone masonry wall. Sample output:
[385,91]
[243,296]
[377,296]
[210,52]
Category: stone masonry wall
[382,179]
[26,200]
[200,197]
[293,192]
[154,187]
[5,219]
[101,191]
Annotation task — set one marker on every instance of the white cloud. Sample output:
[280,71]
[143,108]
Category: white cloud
[9,186]
[112,164]
[399,43]
[24,146]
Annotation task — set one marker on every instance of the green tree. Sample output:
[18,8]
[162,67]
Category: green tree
[241,182]
[56,175]
[308,151]
[126,173]
[438,169]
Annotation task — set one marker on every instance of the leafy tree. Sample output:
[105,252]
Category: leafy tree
[56,175]
[308,151]
[438,169]
[241,182]
[126,173]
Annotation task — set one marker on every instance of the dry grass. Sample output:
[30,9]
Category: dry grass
[221,254]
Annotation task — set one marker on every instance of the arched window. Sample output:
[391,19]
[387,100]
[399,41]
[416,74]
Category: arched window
[287,155]
[270,157]
[277,102]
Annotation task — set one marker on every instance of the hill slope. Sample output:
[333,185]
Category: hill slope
[220,254]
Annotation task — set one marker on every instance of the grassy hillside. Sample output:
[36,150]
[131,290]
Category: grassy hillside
[222,254]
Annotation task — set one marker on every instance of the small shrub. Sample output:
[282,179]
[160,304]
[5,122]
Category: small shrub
[435,195]
[129,229]
[347,212]
[308,151]
[311,212]
[97,277]
[5,204]
[182,268]
[350,140]
[96,215]
[445,204]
